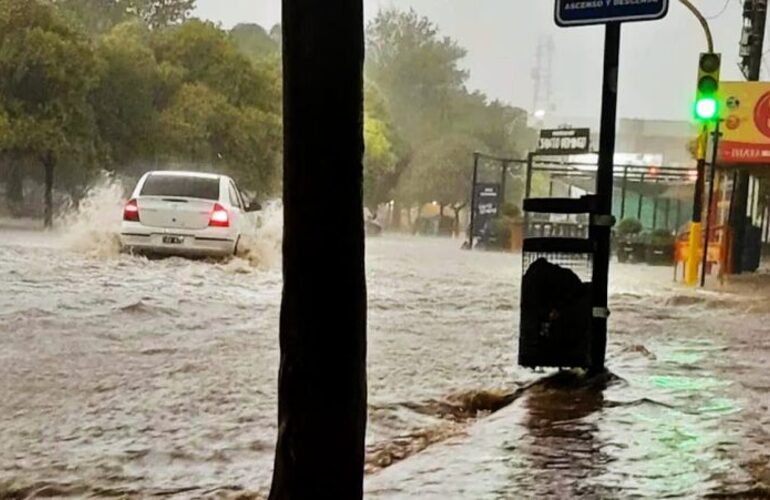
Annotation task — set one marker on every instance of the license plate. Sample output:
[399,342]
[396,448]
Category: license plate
[173,240]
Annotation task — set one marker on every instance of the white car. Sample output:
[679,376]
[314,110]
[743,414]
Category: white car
[185,213]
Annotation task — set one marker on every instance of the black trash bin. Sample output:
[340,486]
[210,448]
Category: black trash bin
[556,316]
[555,329]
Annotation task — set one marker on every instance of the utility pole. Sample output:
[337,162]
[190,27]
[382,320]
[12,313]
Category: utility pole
[322,397]
[752,43]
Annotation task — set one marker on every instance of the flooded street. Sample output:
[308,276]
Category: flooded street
[126,376]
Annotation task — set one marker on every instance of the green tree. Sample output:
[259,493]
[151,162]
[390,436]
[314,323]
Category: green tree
[379,162]
[209,56]
[100,16]
[254,150]
[502,129]
[220,107]
[383,149]
[95,16]
[160,13]
[196,123]
[422,88]
[417,71]
[439,173]
[46,76]
[129,92]
[254,41]
[202,127]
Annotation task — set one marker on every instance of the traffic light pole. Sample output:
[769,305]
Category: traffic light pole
[696,228]
[703,22]
[713,169]
[601,226]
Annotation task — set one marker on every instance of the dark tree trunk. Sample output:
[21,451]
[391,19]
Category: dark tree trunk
[14,189]
[48,166]
[322,382]
[396,222]
[457,221]
[457,209]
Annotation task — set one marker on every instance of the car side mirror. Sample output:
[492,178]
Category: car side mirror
[254,206]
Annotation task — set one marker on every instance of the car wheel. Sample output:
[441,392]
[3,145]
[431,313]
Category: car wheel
[235,247]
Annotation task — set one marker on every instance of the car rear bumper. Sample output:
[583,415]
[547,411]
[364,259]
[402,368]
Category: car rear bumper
[203,246]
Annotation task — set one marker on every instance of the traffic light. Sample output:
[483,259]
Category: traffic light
[706,101]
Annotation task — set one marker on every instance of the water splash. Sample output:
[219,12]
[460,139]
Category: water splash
[93,227]
[260,245]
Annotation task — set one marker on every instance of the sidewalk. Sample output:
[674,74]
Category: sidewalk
[661,433]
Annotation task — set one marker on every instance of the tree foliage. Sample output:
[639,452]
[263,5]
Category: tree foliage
[134,90]
[99,16]
[417,70]
[128,93]
[46,76]
[46,79]
[254,42]
[131,84]
[439,172]
[209,56]
[160,13]
[422,93]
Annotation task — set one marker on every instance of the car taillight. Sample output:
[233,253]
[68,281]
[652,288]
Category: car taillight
[219,217]
[131,211]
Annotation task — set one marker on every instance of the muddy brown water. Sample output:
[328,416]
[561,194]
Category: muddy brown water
[126,376]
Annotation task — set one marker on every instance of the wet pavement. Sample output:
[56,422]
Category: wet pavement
[126,376]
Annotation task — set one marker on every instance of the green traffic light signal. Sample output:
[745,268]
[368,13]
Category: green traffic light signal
[706,108]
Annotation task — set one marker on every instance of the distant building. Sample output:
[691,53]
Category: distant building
[667,138]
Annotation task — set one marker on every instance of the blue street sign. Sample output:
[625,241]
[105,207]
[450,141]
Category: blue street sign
[585,12]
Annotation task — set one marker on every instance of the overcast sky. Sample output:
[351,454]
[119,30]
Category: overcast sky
[658,59]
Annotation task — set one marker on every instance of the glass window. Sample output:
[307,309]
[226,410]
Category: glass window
[180,186]
[235,200]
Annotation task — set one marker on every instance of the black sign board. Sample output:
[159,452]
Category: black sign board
[569,141]
[487,206]
[585,12]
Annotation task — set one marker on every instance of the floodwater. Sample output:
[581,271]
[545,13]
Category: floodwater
[122,376]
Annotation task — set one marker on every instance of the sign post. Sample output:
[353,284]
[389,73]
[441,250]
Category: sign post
[611,13]
[601,226]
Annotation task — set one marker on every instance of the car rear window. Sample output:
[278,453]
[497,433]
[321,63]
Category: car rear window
[181,186]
